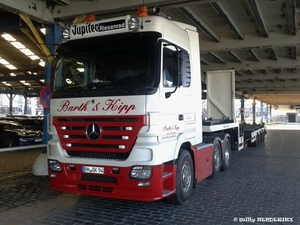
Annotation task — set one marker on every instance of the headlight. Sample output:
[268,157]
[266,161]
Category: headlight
[21,133]
[54,165]
[133,23]
[141,172]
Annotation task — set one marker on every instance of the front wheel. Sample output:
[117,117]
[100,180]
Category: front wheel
[184,178]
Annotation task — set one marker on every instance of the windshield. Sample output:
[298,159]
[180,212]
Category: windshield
[119,65]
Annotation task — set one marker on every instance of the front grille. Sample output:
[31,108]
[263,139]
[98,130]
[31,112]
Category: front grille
[94,188]
[103,179]
[98,155]
[117,135]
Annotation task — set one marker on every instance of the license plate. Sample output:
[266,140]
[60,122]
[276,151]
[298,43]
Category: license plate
[93,169]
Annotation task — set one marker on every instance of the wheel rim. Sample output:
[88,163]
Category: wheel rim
[217,159]
[186,176]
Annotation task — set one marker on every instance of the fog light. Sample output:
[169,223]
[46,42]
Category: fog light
[141,172]
[54,165]
[143,184]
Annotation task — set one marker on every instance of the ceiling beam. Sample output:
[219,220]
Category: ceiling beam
[266,84]
[292,17]
[108,7]
[269,76]
[257,15]
[273,53]
[53,11]
[34,8]
[251,65]
[20,91]
[226,16]
[253,55]
[234,56]
[217,58]
[22,77]
[193,16]
[251,42]
[293,50]
[265,93]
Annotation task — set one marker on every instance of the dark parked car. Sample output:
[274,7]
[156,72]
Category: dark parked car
[30,123]
[14,134]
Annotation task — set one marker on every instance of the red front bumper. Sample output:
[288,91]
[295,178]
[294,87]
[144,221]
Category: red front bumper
[114,183]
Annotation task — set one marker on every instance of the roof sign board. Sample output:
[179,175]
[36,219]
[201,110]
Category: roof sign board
[97,28]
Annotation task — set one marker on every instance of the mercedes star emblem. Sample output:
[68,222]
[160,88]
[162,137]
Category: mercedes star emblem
[93,131]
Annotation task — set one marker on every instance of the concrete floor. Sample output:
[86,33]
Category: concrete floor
[261,184]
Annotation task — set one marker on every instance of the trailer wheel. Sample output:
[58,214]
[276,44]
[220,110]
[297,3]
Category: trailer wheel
[227,154]
[263,134]
[262,137]
[257,141]
[216,158]
[184,178]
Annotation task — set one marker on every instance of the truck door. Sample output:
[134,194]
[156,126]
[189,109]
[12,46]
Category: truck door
[178,103]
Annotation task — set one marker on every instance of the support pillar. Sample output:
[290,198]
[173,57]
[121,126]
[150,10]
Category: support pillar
[267,113]
[10,99]
[53,38]
[242,109]
[254,111]
[25,104]
[261,112]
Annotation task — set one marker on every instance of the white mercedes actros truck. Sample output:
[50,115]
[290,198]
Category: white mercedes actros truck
[126,111]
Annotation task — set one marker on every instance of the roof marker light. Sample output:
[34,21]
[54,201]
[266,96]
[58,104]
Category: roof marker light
[91,18]
[142,11]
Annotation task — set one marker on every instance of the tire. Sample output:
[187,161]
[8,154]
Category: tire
[257,141]
[227,154]
[217,159]
[184,178]
[262,137]
[10,142]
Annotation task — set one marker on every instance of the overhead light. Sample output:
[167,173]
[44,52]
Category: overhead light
[43,30]
[11,67]
[26,51]
[7,64]
[42,63]
[4,62]
[5,83]
[33,57]
[8,37]
[17,44]
[20,46]
[12,74]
